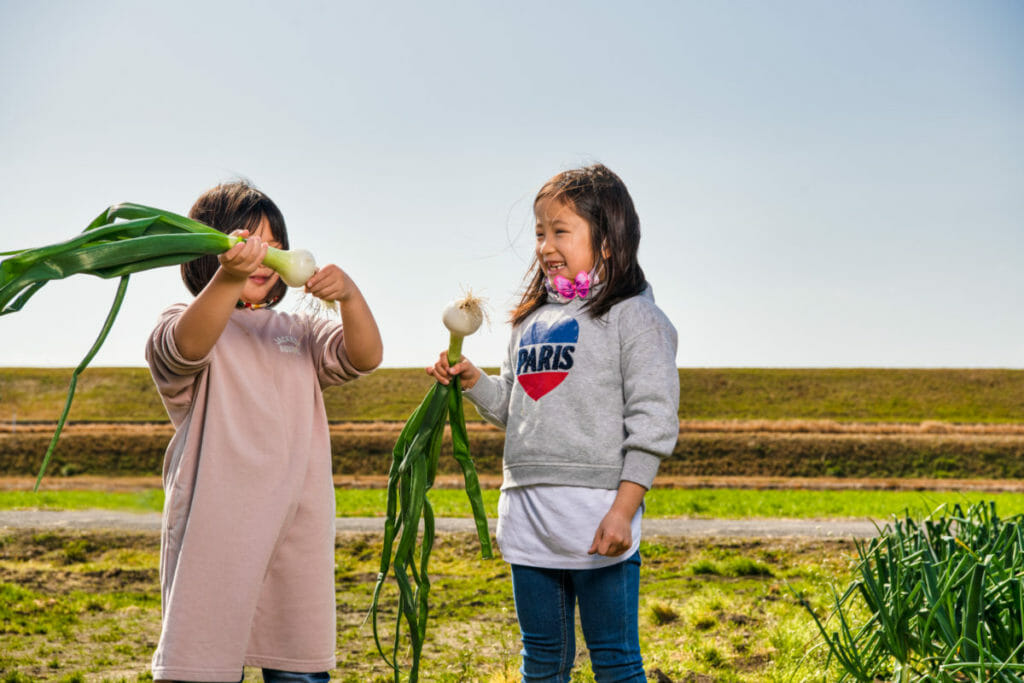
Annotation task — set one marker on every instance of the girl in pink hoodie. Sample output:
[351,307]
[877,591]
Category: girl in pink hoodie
[247,546]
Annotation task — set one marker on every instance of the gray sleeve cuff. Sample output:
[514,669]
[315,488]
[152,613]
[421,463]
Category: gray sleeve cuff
[483,393]
[640,468]
[486,397]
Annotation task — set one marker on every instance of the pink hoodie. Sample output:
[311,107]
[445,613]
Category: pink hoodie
[247,546]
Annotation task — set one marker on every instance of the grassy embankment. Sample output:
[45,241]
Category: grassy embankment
[843,395]
[739,422]
[733,422]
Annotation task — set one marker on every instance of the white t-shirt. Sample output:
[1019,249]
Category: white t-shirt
[553,526]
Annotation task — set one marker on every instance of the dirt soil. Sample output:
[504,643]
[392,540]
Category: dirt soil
[96,483]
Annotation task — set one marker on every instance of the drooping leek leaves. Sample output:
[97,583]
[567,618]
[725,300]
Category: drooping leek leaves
[413,467]
[124,239]
[122,287]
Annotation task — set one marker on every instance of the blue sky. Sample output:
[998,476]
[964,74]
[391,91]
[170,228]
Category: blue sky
[819,183]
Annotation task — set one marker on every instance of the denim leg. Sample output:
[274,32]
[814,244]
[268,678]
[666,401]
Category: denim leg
[609,600]
[275,676]
[545,605]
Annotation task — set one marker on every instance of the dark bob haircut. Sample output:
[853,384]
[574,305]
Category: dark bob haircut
[228,207]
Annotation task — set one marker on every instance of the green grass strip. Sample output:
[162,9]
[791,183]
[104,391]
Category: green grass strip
[151,500]
[707,503]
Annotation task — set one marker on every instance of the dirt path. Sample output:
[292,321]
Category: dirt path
[705,528]
[677,527]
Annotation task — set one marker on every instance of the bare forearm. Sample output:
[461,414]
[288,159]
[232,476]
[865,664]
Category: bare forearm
[362,337]
[202,323]
[628,498]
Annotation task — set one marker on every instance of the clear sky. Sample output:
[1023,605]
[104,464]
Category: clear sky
[819,183]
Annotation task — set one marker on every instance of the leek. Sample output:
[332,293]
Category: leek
[413,466]
[462,318]
[124,239]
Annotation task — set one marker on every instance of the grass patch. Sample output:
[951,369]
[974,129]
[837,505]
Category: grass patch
[99,620]
[661,503]
[150,500]
[807,504]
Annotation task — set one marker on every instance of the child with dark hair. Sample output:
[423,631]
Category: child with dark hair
[247,543]
[588,396]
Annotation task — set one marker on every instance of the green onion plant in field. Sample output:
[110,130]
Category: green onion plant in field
[945,599]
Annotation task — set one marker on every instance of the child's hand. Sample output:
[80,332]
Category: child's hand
[330,283]
[614,535]
[243,259]
[465,370]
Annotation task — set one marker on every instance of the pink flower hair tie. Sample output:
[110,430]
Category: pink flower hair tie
[568,289]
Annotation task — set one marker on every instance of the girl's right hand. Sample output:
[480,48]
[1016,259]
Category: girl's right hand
[242,260]
[465,370]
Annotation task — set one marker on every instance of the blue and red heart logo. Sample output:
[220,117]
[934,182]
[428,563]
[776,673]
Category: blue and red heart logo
[546,355]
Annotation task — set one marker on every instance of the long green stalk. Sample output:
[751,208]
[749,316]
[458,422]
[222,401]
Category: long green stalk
[460,449]
[413,468]
[124,239]
[122,287]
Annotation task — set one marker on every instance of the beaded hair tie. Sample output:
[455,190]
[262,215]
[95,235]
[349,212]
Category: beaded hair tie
[253,307]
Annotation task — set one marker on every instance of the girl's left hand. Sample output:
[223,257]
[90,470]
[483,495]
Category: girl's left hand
[329,283]
[614,535]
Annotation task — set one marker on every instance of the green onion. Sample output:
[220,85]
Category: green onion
[462,318]
[413,467]
[943,599]
[124,239]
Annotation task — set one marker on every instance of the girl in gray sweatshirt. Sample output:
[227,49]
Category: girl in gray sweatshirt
[588,397]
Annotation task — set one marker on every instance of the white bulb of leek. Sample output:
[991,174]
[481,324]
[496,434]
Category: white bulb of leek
[295,266]
[462,318]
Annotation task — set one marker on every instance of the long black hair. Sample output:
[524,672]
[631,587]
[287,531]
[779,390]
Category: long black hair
[228,207]
[598,196]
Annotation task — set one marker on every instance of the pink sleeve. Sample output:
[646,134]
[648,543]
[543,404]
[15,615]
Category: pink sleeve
[174,375]
[327,342]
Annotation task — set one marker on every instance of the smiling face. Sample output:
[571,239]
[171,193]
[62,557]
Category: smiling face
[563,240]
[257,287]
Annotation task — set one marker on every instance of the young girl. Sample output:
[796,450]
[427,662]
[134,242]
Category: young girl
[247,545]
[588,397]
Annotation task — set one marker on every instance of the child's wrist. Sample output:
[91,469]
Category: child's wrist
[348,292]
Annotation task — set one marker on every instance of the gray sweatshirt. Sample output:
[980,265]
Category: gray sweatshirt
[583,401]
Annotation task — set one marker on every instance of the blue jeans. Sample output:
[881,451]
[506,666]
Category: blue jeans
[275,676]
[609,603]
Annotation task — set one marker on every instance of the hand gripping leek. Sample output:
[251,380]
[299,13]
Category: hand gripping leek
[413,466]
[124,239]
